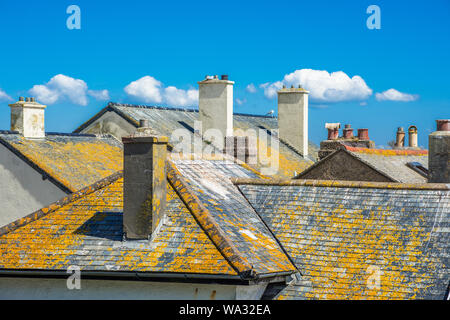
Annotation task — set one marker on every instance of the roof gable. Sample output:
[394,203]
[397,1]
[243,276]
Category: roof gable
[393,163]
[375,165]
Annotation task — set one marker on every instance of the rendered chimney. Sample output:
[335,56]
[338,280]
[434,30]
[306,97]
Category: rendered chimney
[439,153]
[242,148]
[348,132]
[216,104]
[293,118]
[145,184]
[27,117]
[400,138]
[412,136]
[363,134]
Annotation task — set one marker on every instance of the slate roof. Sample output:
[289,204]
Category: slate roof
[199,234]
[393,162]
[165,120]
[72,161]
[342,234]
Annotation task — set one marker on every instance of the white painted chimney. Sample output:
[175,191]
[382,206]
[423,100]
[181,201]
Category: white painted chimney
[216,104]
[293,118]
[27,117]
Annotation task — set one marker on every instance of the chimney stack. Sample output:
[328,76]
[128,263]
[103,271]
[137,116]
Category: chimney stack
[293,117]
[216,104]
[144,184]
[439,153]
[242,148]
[400,138]
[412,136]
[27,117]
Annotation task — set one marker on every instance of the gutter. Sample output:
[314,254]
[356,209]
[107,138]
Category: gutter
[128,276]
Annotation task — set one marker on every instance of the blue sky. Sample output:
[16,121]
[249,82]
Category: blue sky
[175,44]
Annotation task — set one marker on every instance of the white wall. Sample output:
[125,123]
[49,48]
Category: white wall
[22,190]
[36,288]
[33,288]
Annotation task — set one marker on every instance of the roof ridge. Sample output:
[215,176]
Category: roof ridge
[115,104]
[60,203]
[343,184]
[388,152]
[207,222]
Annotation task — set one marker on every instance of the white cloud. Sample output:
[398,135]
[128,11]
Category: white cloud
[179,97]
[4,96]
[323,86]
[395,95]
[147,89]
[251,88]
[150,90]
[62,87]
[99,94]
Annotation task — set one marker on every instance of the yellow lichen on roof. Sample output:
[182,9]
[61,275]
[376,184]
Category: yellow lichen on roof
[368,249]
[75,164]
[88,233]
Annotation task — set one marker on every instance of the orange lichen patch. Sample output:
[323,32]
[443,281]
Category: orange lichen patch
[75,163]
[388,152]
[88,232]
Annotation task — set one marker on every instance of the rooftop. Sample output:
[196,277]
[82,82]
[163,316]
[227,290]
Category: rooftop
[72,161]
[166,120]
[209,229]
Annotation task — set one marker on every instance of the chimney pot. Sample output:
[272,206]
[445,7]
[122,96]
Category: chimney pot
[400,138]
[412,136]
[363,134]
[348,132]
[21,99]
[224,77]
[27,99]
[443,125]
